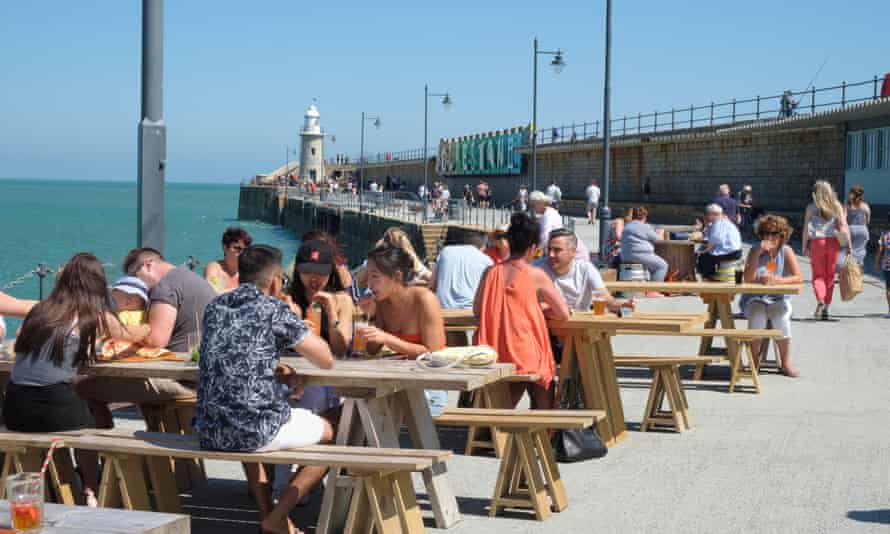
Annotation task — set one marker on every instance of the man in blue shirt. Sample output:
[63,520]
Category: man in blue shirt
[239,405]
[724,242]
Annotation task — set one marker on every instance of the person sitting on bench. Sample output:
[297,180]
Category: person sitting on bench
[239,408]
[724,242]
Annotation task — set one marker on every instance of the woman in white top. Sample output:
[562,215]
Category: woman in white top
[858,219]
[824,221]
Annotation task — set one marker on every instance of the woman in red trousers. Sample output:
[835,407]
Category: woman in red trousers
[824,223]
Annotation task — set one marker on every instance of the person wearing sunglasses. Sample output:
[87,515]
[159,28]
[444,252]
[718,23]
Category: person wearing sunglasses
[223,274]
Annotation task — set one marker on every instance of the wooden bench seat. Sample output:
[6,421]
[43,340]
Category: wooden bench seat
[528,472]
[492,396]
[743,337]
[383,499]
[666,385]
[175,417]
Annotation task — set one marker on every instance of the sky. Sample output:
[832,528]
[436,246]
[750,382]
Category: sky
[239,75]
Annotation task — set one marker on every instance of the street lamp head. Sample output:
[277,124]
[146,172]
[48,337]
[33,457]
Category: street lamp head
[447,102]
[333,138]
[377,123]
[558,62]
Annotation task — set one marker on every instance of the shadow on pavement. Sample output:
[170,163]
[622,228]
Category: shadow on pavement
[881,517]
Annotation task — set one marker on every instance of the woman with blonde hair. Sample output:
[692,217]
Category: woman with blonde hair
[397,237]
[772,262]
[824,222]
[858,219]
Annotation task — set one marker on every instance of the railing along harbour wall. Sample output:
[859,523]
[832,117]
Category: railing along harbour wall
[683,118]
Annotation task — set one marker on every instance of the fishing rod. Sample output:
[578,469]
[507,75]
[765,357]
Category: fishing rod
[817,73]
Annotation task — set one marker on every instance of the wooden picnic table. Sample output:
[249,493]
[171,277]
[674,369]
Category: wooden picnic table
[717,295]
[59,518]
[379,396]
[587,355]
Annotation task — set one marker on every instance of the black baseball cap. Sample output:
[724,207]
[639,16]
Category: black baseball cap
[315,257]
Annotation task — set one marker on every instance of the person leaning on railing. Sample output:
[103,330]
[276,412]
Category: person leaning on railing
[772,262]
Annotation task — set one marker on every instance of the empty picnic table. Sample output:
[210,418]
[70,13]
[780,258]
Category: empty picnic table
[587,355]
[717,295]
[379,396]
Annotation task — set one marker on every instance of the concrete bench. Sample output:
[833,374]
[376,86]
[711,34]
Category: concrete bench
[738,369]
[666,385]
[528,472]
[384,498]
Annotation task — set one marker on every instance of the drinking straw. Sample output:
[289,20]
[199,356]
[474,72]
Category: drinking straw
[49,456]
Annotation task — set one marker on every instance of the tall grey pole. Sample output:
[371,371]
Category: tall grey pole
[605,214]
[152,130]
[361,172]
[426,134]
[535,116]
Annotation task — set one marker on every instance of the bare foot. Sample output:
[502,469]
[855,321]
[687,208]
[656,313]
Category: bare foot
[790,371]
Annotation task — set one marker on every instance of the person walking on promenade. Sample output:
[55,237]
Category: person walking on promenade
[468,196]
[555,193]
[593,199]
[772,262]
[824,222]
[222,274]
[509,306]
[522,199]
[728,204]
[858,219]
[638,245]
[746,207]
[882,261]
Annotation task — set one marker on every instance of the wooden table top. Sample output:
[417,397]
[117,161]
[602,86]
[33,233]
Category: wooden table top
[381,374]
[663,322]
[707,288]
[59,518]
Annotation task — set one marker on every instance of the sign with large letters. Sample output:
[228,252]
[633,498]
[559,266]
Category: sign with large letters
[489,154]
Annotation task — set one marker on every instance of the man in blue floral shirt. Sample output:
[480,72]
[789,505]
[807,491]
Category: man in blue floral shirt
[239,408]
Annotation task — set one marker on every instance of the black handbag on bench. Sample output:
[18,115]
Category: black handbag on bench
[576,445]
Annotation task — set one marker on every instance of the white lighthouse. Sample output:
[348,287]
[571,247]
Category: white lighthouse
[312,148]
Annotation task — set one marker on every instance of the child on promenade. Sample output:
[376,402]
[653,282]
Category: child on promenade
[882,261]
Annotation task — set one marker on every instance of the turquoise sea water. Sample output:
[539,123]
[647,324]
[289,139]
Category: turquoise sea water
[49,221]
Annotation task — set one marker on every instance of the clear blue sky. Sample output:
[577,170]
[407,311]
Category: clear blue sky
[238,75]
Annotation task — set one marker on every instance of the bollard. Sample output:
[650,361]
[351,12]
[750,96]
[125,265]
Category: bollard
[41,271]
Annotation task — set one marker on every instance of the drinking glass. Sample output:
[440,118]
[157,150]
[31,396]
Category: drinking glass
[599,302]
[314,314]
[358,342]
[24,491]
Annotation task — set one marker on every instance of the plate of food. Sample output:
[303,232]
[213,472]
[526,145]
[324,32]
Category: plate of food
[118,350]
[478,356]
[435,360]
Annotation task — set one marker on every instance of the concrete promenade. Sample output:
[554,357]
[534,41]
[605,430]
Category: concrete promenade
[807,455]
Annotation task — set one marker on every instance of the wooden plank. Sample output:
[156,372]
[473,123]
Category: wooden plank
[698,288]
[517,421]
[666,361]
[738,333]
[499,413]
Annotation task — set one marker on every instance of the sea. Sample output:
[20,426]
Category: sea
[48,221]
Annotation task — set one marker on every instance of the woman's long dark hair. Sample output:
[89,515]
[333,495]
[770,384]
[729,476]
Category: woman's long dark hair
[79,301]
[392,261]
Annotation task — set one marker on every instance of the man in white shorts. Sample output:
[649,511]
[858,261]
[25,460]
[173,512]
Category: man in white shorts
[593,198]
[239,407]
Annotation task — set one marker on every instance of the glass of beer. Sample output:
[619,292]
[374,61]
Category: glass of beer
[313,313]
[599,302]
[358,342]
[25,494]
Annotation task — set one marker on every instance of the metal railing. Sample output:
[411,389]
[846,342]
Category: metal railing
[685,118]
[732,112]
[389,204]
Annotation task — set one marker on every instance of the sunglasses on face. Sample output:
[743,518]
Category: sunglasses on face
[237,248]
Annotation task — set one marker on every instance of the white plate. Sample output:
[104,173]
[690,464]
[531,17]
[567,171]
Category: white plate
[424,361]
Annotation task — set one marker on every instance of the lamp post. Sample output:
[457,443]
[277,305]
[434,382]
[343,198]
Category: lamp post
[605,213]
[558,64]
[361,172]
[152,130]
[446,103]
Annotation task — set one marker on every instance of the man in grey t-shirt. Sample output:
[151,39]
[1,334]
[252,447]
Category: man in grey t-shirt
[178,298]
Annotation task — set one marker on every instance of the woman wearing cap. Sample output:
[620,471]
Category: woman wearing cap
[223,274]
[314,281]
